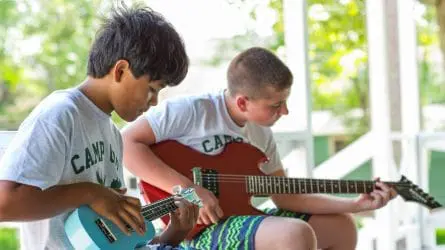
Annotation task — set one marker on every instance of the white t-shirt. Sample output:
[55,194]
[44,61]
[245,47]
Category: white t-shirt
[66,139]
[202,122]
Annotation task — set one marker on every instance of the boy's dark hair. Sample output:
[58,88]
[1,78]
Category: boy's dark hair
[253,69]
[145,39]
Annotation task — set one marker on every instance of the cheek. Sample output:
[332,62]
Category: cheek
[263,115]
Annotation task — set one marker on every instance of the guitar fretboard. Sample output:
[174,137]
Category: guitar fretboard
[284,185]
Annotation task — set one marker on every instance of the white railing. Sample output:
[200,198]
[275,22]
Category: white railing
[415,224]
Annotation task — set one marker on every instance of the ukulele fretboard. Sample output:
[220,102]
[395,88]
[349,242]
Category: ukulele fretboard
[159,209]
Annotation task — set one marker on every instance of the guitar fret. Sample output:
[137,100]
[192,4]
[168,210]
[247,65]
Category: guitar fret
[332,187]
[355,183]
[278,184]
[318,186]
[312,190]
[269,187]
[288,186]
[260,184]
[347,187]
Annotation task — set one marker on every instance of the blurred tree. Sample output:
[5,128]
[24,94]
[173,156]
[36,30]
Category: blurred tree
[338,56]
[10,74]
[44,46]
[64,30]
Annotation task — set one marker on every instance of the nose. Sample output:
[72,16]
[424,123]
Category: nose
[284,110]
[153,100]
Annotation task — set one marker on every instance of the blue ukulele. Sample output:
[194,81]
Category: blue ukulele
[88,230]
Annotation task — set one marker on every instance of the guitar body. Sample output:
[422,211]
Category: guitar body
[237,158]
[84,232]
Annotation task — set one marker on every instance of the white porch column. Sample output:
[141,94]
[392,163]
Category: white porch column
[380,115]
[299,103]
[410,108]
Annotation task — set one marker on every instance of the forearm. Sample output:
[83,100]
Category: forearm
[26,203]
[142,162]
[315,203]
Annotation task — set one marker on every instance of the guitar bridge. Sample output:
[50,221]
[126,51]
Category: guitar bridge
[105,230]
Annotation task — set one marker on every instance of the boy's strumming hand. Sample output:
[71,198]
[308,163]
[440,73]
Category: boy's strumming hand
[120,209]
[210,212]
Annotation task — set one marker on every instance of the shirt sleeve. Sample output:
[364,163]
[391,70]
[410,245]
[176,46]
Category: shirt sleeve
[171,119]
[36,156]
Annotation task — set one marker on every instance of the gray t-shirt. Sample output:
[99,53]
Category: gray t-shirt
[203,123]
[66,139]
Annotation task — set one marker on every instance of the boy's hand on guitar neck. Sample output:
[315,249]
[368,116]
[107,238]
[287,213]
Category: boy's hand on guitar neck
[120,209]
[211,212]
[378,198]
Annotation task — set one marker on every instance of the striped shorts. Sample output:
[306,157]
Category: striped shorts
[235,232]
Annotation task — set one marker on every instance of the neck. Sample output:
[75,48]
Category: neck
[233,110]
[97,91]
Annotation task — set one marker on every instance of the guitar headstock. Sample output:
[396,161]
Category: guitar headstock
[188,194]
[411,192]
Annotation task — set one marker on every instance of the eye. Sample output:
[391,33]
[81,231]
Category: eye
[276,105]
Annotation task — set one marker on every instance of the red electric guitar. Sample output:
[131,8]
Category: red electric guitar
[234,177]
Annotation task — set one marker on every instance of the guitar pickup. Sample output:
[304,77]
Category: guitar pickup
[105,230]
[211,181]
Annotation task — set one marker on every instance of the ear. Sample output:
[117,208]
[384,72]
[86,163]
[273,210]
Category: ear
[120,68]
[241,102]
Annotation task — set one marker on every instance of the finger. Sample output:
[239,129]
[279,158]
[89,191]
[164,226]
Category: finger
[183,211]
[133,200]
[213,216]
[195,213]
[219,212]
[204,217]
[135,211]
[199,221]
[385,195]
[120,224]
[129,220]
[382,186]
[377,198]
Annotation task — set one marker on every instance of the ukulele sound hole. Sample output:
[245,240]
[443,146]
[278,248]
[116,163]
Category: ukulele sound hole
[210,181]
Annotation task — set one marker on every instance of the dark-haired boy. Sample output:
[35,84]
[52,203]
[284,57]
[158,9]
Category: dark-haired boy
[68,152]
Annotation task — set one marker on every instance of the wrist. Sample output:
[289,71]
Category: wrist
[356,206]
[91,192]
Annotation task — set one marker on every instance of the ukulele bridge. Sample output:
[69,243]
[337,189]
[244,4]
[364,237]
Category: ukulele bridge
[105,230]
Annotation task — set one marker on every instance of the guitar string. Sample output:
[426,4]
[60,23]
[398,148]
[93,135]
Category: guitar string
[242,179]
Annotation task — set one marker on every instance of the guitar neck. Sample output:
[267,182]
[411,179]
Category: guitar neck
[284,185]
[159,208]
